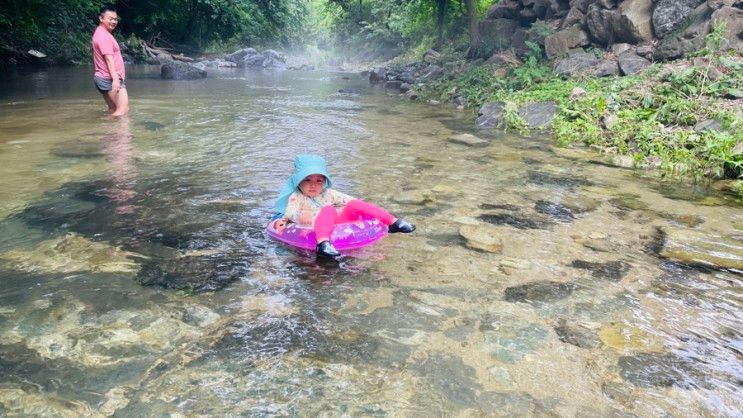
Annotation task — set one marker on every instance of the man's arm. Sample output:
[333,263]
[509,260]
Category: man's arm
[116,84]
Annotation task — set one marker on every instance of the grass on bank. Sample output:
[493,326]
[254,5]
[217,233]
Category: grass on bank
[651,116]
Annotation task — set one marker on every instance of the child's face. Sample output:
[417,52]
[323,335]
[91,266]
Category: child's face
[312,185]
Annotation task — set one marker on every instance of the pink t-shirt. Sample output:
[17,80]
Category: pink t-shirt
[103,43]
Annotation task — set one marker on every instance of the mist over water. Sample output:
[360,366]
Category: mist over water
[136,279]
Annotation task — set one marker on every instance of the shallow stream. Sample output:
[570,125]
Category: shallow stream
[136,279]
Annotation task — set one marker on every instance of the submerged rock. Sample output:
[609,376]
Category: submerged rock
[545,291]
[679,282]
[687,220]
[482,237]
[468,139]
[510,344]
[628,202]
[71,253]
[559,180]
[625,337]
[579,204]
[193,273]
[504,206]
[653,369]
[613,270]
[89,209]
[577,335]
[715,250]
[152,125]
[78,149]
[555,211]
[509,338]
[450,377]
[515,221]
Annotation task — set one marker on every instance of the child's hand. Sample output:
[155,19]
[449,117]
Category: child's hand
[280,224]
[305,217]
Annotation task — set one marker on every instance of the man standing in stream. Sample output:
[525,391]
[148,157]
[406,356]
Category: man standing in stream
[109,64]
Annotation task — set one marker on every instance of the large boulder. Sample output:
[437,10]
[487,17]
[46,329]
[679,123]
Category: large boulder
[377,75]
[578,62]
[432,73]
[580,5]
[489,116]
[531,10]
[575,17]
[252,61]
[631,22]
[559,43]
[669,15]
[716,4]
[733,19]
[606,68]
[631,63]
[273,59]
[688,38]
[601,24]
[538,115]
[238,56]
[177,70]
[636,21]
[495,35]
[506,9]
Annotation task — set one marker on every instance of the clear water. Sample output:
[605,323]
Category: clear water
[135,277]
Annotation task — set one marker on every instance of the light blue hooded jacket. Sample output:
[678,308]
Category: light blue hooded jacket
[304,165]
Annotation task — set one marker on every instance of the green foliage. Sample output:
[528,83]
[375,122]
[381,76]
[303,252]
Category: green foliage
[53,27]
[476,84]
[538,31]
[511,120]
[380,28]
[579,121]
[199,24]
[533,71]
[62,28]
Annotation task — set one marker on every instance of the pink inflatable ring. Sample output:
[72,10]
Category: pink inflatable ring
[345,236]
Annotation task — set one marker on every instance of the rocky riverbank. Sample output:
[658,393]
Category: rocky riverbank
[648,84]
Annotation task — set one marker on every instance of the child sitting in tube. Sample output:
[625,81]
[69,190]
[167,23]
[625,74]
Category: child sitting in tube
[308,199]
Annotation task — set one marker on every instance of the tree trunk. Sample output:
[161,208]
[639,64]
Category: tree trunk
[440,21]
[473,26]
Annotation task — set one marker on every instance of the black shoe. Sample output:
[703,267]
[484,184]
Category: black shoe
[401,226]
[326,249]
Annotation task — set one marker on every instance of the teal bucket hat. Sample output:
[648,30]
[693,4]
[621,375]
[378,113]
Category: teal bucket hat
[304,165]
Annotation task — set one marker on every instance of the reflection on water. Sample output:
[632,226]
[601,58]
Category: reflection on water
[135,277]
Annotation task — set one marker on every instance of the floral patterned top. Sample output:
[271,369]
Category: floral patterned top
[299,202]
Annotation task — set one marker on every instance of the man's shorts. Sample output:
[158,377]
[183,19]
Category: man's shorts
[104,85]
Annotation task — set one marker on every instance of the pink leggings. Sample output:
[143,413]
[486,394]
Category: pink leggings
[354,209]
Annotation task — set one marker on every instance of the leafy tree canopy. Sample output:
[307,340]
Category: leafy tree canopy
[62,28]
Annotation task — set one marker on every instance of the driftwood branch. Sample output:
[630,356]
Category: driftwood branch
[155,51]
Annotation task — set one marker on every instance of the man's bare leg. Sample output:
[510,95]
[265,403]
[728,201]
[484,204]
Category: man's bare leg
[111,104]
[121,101]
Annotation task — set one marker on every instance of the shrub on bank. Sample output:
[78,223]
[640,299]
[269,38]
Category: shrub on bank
[683,116]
